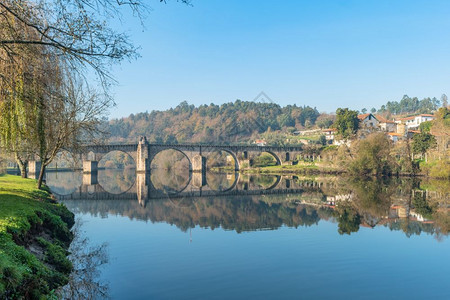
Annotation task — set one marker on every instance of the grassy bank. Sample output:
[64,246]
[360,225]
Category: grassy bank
[34,238]
[300,168]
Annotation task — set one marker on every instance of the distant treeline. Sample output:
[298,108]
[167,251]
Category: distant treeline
[412,105]
[240,121]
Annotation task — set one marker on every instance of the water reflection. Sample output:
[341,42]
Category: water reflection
[85,280]
[247,203]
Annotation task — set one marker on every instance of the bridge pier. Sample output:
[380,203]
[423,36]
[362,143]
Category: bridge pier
[90,178]
[90,166]
[243,160]
[198,164]
[142,156]
[199,179]
[142,187]
[34,168]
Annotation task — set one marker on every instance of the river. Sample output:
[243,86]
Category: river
[263,237]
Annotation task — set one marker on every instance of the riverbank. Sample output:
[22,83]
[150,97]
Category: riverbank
[300,168]
[34,238]
[435,170]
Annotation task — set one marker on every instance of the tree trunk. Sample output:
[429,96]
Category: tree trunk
[22,167]
[41,176]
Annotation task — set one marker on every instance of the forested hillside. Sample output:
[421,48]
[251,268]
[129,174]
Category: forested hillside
[227,123]
[241,121]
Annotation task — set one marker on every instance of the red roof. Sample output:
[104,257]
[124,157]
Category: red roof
[414,131]
[381,118]
[407,118]
[362,117]
[413,117]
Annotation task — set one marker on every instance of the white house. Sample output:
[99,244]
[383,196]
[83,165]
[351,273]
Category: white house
[329,133]
[414,121]
[260,143]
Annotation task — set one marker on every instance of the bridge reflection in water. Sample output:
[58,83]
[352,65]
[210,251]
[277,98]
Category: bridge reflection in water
[143,189]
[240,202]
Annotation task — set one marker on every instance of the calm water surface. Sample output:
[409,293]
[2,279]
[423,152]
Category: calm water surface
[265,237]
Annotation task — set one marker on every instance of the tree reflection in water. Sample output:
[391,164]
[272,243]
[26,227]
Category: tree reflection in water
[84,282]
[410,205]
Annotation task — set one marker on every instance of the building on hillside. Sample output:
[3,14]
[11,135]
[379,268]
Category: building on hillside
[401,128]
[386,125]
[260,143]
[411,133]
[307,132]
[368,121]
[394,136]
[303,141]
[329,134]
[415,121]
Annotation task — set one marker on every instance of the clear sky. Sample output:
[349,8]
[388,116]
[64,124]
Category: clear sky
[322,53]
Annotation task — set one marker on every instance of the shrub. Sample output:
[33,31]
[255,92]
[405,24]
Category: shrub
[372,156]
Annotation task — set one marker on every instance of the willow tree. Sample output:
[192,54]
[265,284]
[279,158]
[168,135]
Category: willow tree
[19,67]
[45,105]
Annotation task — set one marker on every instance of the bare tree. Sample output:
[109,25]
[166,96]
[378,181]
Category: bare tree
[68,118]
[78,30]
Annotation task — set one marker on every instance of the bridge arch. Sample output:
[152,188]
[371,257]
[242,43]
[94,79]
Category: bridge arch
[274,155]
[101,158]
[160,150]
[277,158]
[234,156]
[229,152]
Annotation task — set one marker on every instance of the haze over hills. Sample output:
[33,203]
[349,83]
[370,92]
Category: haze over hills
[239,121]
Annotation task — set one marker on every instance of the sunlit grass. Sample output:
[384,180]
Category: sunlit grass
[23,206]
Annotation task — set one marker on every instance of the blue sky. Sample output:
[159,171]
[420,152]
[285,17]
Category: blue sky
[322,53]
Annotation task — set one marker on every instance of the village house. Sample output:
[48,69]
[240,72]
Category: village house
[329,134]
[411,133]
[260,143]
[306,132]
[394,136]
[368,121]
[415,121]
[386,125]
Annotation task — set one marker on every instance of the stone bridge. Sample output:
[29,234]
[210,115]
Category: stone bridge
[143,154]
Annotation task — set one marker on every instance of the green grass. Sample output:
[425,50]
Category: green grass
[25,214]
[301,167]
